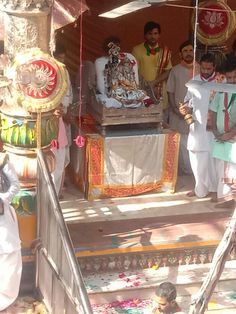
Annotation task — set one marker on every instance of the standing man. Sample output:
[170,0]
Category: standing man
[154,62]
[200,139]
[176,89]
[223,108]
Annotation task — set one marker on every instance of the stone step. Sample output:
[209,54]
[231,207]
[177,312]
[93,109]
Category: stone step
[220,303]
[148,242]
[77,209]
[127,246]
[118,286]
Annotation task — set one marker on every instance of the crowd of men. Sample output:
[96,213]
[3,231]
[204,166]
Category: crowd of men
[207,143]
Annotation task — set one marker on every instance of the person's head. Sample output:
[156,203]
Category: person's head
[230,69]
[152,31]
[186,51]
[165,296]
[111,39]
[207,65]
[60,52]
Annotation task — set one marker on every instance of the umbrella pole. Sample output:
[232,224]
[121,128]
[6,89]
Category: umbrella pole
[39,128]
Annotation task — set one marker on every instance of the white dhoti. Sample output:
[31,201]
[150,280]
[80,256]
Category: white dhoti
[57,174]
[184,162]
[180,126]
[203,167]
[10,244]
[226,175]
[10,275]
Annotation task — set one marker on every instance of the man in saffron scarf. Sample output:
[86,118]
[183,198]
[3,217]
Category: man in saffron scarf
[223,109]
[154,62]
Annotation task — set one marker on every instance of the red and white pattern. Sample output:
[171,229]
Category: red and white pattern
[42,79]
[216,22]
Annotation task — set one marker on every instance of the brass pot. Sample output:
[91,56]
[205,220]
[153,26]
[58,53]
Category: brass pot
[189,118]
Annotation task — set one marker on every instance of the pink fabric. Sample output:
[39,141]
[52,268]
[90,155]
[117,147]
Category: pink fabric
[62,135]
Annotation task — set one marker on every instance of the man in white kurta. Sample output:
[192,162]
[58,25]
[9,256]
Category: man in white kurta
[10,244]
[223,108]
[200,139]
[178,77]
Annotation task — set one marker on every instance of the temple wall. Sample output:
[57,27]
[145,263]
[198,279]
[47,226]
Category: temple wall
[175,23]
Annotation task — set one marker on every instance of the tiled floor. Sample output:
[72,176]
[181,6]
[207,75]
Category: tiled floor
[158,232]
[187,279]
[77,209]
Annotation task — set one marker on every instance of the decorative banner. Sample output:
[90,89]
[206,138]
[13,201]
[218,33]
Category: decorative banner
[39,80]
[216,22]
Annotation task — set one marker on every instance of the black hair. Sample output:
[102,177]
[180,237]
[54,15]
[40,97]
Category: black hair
[111,39]
[208,57]
[229,64]
[167,290]
[149,26]
[185,44]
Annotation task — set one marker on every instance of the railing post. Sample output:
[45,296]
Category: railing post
[200,301]
[81,299]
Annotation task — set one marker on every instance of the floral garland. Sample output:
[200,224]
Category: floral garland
[151,51]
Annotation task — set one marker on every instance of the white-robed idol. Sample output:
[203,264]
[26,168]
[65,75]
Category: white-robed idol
[10,244]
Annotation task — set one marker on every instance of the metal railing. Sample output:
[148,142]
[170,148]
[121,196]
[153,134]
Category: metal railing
[226,245]
[58,275]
